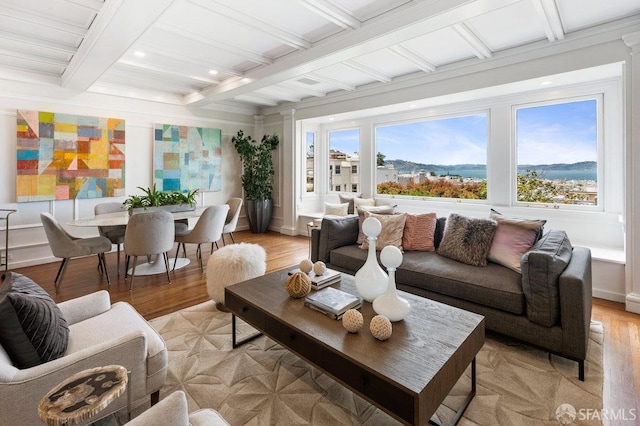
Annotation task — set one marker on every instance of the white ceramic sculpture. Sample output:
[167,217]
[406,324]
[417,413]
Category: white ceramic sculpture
[371,280]
[390,304]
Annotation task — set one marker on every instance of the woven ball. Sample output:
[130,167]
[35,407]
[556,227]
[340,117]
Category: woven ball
[352,320]
[306,266]
[298,285]
[319,268]
[380,327]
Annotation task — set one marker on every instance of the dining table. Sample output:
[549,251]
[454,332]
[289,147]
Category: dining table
[122,218]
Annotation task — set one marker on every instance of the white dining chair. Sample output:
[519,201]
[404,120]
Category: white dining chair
[231,223]
[208,229]
[149,234]
[115,234]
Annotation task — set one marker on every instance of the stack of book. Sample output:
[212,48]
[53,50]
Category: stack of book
[332,302]
[329,277]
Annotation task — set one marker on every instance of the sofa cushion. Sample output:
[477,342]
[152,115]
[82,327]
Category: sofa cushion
[513,238]
[541,267]
[32,328]
[359,202]
[388,209]
[335,233]
[392,230]
[419,230]
[441,223]
[467,239]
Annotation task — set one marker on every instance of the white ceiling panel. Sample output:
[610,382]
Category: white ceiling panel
[271,52]
[519,21]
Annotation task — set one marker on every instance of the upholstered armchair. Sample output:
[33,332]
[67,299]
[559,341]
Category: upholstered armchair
[100,334]
[173,411]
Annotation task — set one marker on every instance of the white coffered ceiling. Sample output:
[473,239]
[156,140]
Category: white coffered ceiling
[254,54]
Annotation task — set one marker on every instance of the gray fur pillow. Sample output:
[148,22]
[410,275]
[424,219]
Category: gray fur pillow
[467,240]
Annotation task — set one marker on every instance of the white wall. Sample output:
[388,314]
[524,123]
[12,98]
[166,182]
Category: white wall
[27,242]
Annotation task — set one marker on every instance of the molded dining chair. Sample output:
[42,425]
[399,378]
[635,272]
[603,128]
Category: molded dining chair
[231,223]
[66,246]
[150,233]
[115,234]
[208,229]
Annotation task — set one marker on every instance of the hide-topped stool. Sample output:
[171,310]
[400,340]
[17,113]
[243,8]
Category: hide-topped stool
[233,264]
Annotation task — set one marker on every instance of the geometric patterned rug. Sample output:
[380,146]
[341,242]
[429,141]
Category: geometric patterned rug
[261,383]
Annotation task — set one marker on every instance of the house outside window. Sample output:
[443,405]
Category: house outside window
[344,147]
[310,154]
[337,169]
[354,169]
[354,188]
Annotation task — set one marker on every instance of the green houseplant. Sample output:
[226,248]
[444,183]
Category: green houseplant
[257,177]
[152,198]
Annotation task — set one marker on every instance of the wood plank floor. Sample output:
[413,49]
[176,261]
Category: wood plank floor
[153,296]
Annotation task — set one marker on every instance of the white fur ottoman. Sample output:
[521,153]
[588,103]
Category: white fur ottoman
[232,264]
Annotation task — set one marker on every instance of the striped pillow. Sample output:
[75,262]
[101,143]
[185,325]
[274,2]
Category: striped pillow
[419,230]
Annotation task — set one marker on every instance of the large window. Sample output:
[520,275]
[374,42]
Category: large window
[436,158]
[344,148]
[557,153]
[310,154]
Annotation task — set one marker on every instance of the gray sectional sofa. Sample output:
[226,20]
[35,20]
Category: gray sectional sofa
[548,305]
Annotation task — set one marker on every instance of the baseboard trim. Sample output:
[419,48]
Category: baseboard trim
[608,295]
[632,303]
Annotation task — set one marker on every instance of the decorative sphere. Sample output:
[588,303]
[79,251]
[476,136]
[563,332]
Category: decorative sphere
[371,227]
[380,327]
[391,257]
[352,320]
[298,285]
[306,266]
[319,268]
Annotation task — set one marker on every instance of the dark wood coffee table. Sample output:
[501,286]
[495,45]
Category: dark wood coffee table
[407,376]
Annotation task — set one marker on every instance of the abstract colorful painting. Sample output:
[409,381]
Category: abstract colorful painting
[65,156]
[187,158]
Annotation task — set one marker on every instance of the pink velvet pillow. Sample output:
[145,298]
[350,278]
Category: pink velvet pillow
[419,230]
[513,238]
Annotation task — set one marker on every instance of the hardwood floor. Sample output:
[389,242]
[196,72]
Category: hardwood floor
[153,296]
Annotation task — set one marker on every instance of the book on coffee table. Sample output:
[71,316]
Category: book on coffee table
[333,302]
[329,277]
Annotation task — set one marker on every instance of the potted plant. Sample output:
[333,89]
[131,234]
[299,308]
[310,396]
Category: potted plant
[257,178]
[173,201]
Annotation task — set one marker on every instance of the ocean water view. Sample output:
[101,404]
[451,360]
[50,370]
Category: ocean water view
[547,174]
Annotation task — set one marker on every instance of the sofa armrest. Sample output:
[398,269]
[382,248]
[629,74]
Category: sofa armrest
[171,410]
[335,232]
[85,307]
[575,303]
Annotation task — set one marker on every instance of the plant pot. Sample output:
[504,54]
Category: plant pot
[259,215]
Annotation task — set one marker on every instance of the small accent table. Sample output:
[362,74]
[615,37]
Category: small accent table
[84,395]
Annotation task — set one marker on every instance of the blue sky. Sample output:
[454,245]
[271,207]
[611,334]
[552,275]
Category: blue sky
[559,133]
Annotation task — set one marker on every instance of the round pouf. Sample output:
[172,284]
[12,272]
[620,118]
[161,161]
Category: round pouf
[380,327]
[352,320]
[233,264]
[298,285]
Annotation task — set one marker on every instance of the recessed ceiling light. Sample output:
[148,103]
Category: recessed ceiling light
[139,53]
[413,106]
[213,72]
[545,83]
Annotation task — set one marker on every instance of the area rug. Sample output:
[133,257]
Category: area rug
[261,383]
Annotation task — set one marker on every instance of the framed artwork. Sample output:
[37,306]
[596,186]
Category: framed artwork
[65,156]
[187,158]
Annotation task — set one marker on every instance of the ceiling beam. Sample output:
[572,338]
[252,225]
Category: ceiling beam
[279,93]
[166,71]
[395,27]
[332,14]
[549,18]
[253,23]
[89,4]
[333,82]
[413,57]
[189,59]
[471,39]
[381,77]
[42,20]
[301,87]
[64,48]
[255,98]
[117,26]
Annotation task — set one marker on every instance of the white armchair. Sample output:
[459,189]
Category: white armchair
[173,411]
[99,334]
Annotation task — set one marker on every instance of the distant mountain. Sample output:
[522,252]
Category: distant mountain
[404,166]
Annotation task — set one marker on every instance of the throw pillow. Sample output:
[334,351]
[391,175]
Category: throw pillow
[336,232]
[359,202]
[32,328]
[542,222]
[392,230]
[467,240]
[541,269]
[512,239]
[437,236]
[349,200]
[371,209]
[419,230]
[331,209]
